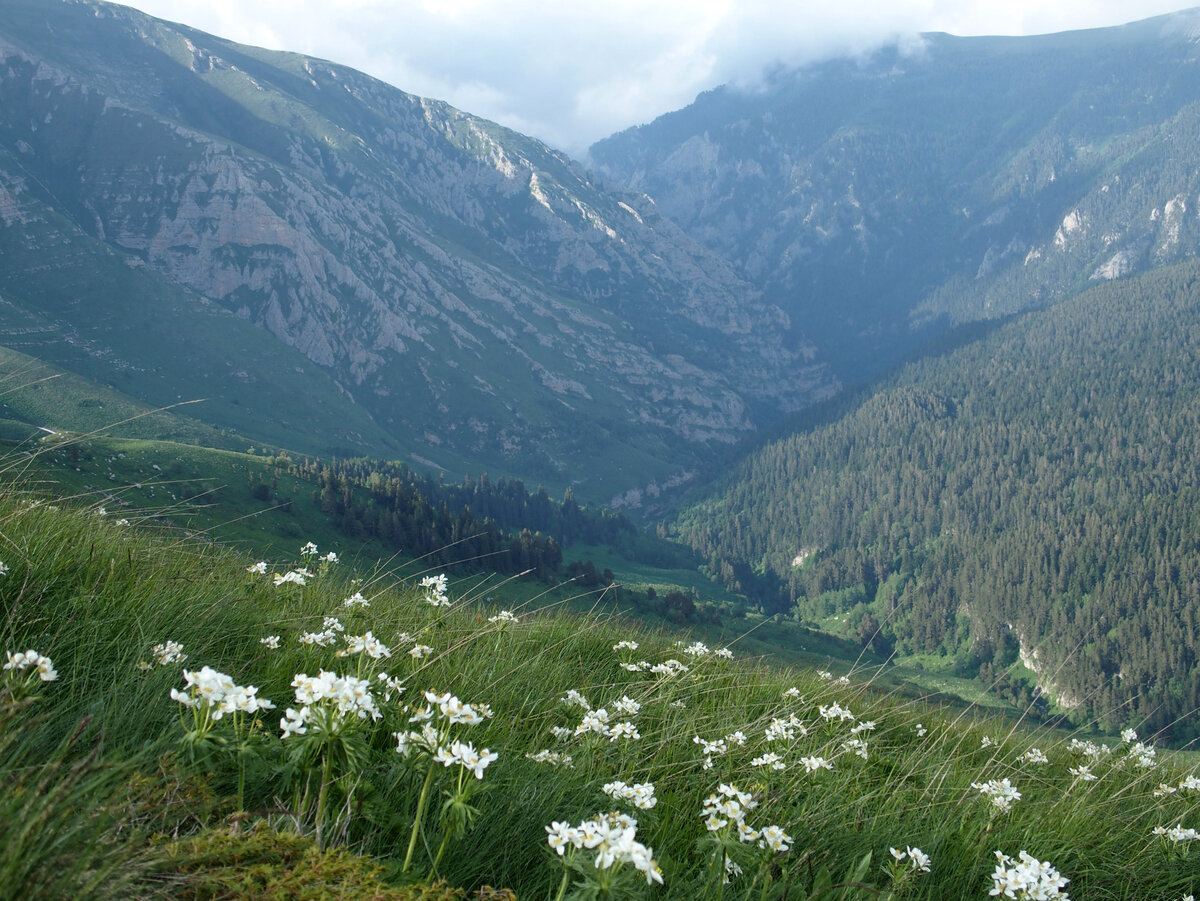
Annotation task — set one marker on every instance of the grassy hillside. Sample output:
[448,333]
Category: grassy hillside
[181,803]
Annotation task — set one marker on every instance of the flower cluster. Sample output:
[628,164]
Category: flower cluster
[1033,756]
[554,758]
[1177,833]
[167,653]
[728,807]
[365,644]
[330,629]
[326,700]
[31,660]
[835,711]
[917,858]
[785,729]
[435,741]
[465,755]
[1000,792]
[356,600]
[612,837]
[1028,878]
[217,695]
[700,649]
[640,794]
[435,590]
[1142,755]
[504,617]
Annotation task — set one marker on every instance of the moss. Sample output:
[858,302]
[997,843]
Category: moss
[262,863]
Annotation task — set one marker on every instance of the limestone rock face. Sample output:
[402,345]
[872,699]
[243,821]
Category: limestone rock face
[459,279]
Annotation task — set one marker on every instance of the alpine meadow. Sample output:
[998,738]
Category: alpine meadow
[795,497]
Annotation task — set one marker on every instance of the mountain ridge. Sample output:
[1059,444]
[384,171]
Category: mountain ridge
[394,252]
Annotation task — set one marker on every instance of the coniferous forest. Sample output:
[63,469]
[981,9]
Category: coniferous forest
[1030,498]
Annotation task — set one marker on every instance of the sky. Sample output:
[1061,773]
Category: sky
[570,72]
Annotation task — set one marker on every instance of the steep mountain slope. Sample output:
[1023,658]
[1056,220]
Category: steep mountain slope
[470,289]
[1029,498]
[966,178]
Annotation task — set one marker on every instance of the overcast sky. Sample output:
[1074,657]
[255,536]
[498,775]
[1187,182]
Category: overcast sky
[572,71]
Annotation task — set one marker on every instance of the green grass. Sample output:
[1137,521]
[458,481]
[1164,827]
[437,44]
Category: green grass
[96,596]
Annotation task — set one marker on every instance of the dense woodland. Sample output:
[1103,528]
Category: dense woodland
[1032,497]
[476,524]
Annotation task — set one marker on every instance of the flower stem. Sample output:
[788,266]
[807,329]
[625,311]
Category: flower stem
[562,888]
[325,764]
[412,839]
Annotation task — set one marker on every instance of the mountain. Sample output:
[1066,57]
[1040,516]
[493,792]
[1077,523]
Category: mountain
[1022,508]
[467,294]
[881,199]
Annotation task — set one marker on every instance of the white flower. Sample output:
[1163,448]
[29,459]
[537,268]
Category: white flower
[814,763]
[919,859]
[575,699]
[330,558]
[168,652]
[785,729]
[309,550]
[835,711]
[1128,736]
[271,641]
[625,646]
[1031,878]
[419,651]
[792,693]
[3,568]
[1083,772]
[31,660]
[857,745]
[554,758]
[1142,755]
[258,569]
[435,590]
[1177,833]
[293,722]
[670,667]
[504,616]
[771,759]
[292,577]
[624,730]
[356,600]
[593,721]
[1000,792]
[628,706]
[366,644]
[640,794]
[920,730]
[1033,755]
[776,839]
[916,857]
[465,754]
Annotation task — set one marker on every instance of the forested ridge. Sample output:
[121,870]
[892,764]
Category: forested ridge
[1033,495]
[477,523]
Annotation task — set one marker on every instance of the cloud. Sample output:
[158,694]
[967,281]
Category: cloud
[571,73]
